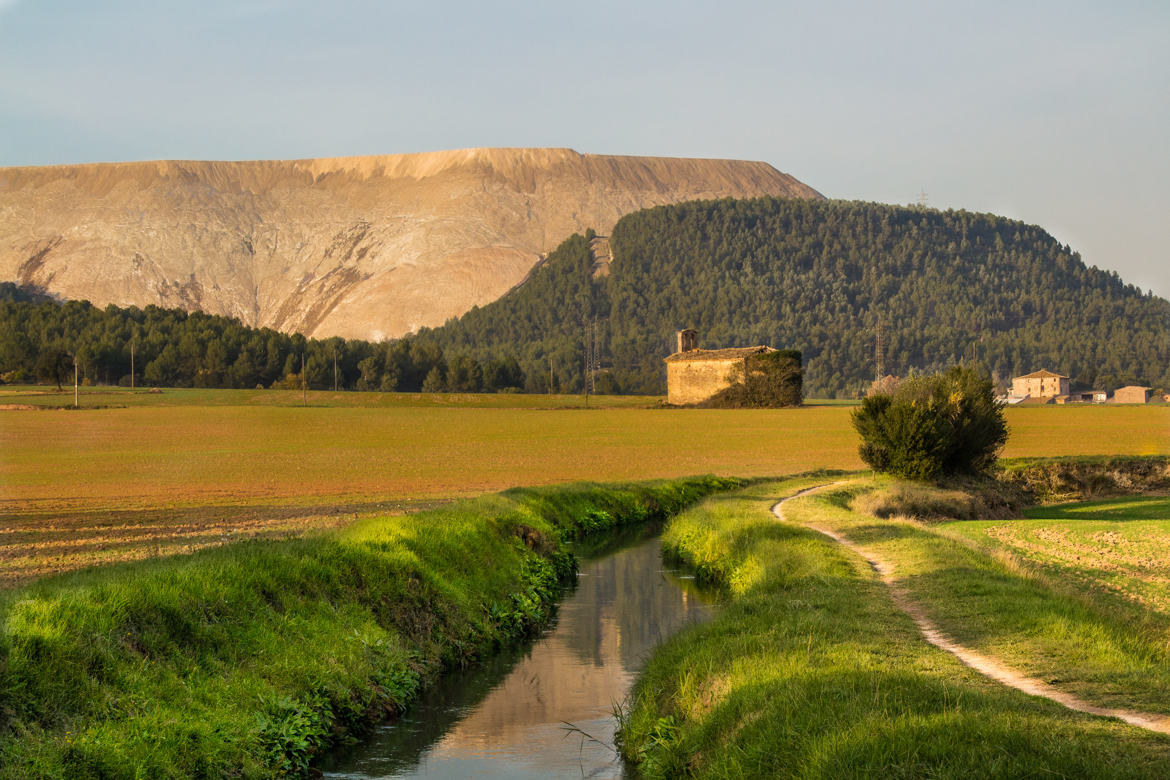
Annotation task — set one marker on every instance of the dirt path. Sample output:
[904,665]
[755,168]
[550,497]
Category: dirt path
[977,661]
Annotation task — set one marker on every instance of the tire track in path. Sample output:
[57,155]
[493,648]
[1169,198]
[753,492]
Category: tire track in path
[985,665]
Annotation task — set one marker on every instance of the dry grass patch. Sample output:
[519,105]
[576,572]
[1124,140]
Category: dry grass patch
[957,500]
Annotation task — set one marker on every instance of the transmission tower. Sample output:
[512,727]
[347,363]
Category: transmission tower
[591,342]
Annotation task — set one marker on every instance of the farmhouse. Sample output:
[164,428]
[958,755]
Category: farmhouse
[1131,394]
[1040,384]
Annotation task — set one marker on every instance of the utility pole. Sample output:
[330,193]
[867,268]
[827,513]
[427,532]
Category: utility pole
[879,352]
[595,365]
[304,383]
[131,364]
[585,378]
[75,382]
[335,370]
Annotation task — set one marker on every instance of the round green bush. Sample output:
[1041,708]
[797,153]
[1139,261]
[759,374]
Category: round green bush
[932,426]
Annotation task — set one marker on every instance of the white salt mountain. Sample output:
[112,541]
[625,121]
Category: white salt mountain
[359,247]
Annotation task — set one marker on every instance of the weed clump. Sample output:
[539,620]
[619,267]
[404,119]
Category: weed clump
[953,499]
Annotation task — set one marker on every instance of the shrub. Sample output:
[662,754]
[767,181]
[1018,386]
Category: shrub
[932,426]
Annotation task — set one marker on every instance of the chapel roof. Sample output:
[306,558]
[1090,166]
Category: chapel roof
[730,353]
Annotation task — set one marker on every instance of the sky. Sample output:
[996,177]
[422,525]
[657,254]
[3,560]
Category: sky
[1055,113]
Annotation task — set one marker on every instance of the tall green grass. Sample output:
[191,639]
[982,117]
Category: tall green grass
[810,670]
[1034,624]
[249,660]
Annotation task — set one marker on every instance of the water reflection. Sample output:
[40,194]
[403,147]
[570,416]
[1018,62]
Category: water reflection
[508,718]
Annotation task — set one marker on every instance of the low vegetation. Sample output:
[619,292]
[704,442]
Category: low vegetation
[811,669]
[1032,624]
[248,660]
[955,499]
[123,481]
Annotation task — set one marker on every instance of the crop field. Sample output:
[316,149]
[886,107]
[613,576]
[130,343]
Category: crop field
[107,397]
[1116,546]
[137,474]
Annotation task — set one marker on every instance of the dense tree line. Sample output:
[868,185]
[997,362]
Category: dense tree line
[41,338]
[834,280]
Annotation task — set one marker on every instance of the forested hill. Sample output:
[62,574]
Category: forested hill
[824,277]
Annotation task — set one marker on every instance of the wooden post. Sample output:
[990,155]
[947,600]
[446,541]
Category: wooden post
[304,383]
[75,382]
[131,364]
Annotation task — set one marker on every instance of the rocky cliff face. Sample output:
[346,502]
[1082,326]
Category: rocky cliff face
[365,247]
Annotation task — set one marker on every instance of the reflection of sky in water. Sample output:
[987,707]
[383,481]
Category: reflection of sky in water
[509,718]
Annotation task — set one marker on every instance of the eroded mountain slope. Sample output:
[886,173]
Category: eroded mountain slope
[366,247]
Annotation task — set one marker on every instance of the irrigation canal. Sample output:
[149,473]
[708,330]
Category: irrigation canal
[545,709]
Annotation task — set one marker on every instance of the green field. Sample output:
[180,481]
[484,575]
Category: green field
[1118,549]
[813,671]
[152,473]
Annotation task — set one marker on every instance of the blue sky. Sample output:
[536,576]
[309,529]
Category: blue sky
[1057,113]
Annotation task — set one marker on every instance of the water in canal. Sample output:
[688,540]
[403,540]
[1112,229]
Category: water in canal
[544,710]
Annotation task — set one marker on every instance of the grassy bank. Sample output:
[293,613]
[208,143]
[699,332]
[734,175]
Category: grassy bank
[1050,480]
[812,671]
[248,660]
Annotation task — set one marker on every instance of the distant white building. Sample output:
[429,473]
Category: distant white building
[1088,397]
